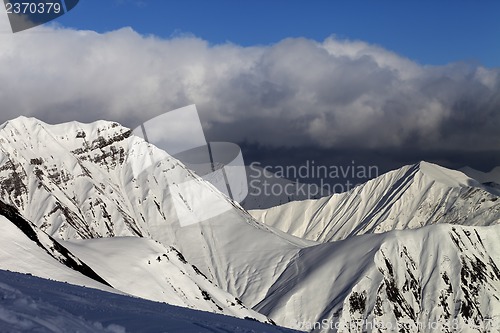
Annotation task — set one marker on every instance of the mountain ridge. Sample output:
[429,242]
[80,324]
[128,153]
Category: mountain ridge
[409,197]
[47,243]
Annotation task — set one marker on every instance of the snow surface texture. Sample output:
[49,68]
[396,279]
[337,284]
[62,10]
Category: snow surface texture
[37,305]
[337,259]
[145,268]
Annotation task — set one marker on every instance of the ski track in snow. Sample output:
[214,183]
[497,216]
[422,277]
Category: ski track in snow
[32,304]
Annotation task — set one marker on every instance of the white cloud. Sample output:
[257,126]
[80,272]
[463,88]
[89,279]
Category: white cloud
[296,92]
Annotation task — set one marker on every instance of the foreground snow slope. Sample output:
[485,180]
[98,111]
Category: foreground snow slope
[407,198]
[31,304]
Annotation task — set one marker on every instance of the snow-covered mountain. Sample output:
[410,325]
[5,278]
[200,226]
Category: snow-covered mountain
[119,207]
[489,179]
[493,176]
[82,181]
[145,268]
[75,181]
[440,274]
[134,266]
[410,197]
[440,278]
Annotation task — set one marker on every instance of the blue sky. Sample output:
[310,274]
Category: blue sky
[367,93]
[428,32]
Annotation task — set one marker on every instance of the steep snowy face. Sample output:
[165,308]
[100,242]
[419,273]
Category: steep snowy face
[440,278]
[26,249]
[145,268]
[80,181]
[407,198]
[51,174]
[88,181]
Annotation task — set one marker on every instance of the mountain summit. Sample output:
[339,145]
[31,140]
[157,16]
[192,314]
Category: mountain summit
[410,197]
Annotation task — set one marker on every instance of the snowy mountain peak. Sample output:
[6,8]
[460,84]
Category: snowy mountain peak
[72,134]
[80,182]
[407,198]
[30,121]
[449,177]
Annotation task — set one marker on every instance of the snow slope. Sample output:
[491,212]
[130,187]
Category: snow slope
[145,268]
[490,179]
[411,197]
[134,266]
[33,304]
[420,280]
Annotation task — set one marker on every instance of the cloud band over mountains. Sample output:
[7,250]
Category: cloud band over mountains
[298,92]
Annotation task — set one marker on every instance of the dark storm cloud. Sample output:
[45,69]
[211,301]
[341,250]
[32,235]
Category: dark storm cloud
[337,94]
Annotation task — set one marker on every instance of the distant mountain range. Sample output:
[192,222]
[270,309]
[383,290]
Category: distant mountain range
[493,176]
[408,198]
[95,206]
[490,179]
